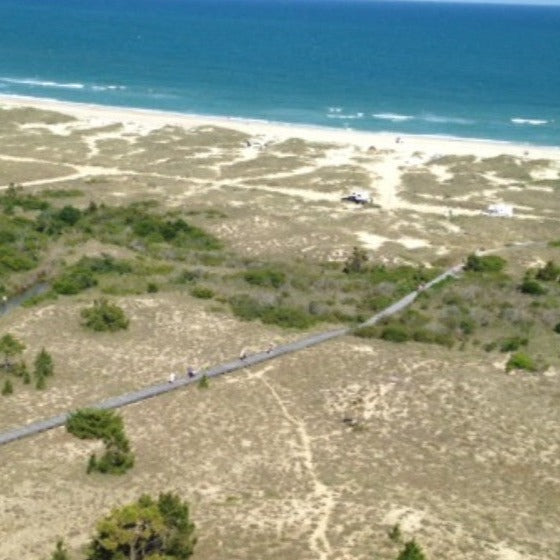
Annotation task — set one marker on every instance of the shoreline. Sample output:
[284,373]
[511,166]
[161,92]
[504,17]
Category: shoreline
[150,119]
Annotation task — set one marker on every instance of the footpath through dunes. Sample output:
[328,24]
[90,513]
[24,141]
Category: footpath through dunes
[221,369]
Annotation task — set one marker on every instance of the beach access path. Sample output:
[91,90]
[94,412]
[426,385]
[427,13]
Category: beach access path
[235,365]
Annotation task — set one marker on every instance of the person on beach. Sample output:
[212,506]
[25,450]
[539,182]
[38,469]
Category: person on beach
[190,371]
[243,354]
[172,377]
[270,348]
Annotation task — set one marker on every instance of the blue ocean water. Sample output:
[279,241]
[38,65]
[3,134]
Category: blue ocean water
[481,71]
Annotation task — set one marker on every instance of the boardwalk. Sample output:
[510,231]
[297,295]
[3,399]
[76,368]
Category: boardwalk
[229,367]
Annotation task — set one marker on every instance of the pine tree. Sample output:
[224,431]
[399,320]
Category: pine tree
[43,364]
[411,551]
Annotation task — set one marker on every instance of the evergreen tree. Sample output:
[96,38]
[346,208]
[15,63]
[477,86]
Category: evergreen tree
[411,551]
[145,529]
[43,364]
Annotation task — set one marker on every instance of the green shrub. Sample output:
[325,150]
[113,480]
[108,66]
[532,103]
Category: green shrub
[249,309]
[152,288]
[411,551]
[203,382]
[532,287]
[395,333]
[73,282]
[488,263]
[268,277]
[520,360]
[90,423]
[513,343]
[557,328]
[201,292]
[104,316]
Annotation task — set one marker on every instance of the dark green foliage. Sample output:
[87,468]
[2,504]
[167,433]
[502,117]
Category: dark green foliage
[202,292]
[83,274]
[108,426]
[268,277]
[68,215]
[532,287]
[74,281]
[145,529]
[395,333]
[104,316]
[248,308]
[488,263]
[520,360]
[513,343]
[60,552]
[557,328]
[44,366]
[548,273]
[93,423]
[152,288]
[8,388]
[411,551]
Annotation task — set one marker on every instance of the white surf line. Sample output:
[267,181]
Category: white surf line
[322,494]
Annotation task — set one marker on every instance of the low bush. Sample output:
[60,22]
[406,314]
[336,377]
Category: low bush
[523,361]
[202,292]
[104,316]
[531,287]
[557,328]
[247,308]
[108,426]
[269,277]
[74,281]
[488,263]
[513,343]
[395,333]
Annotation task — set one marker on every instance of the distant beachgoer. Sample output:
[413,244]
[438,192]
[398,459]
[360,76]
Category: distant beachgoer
[171,377]
[243,354]
[270,348]
[190,371]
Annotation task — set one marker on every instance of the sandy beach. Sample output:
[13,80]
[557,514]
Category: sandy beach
[144,119]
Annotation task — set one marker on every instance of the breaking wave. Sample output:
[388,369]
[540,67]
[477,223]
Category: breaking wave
[532,122]
[395,117]
[32,82]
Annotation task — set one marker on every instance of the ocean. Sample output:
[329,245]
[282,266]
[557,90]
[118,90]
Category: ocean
[476,71]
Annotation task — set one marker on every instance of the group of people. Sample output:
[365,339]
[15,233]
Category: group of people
[190,372]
